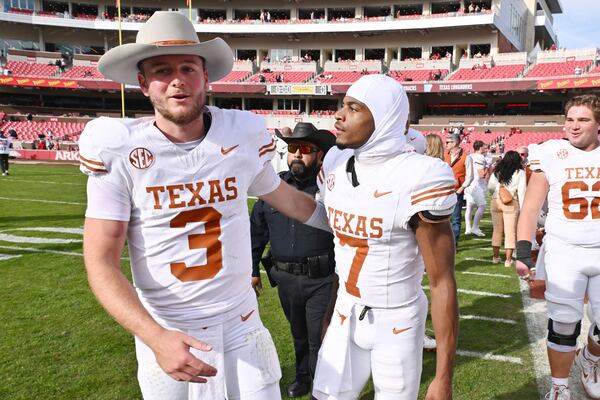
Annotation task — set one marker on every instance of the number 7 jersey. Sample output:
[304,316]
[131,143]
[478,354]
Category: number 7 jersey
[188,232]
[574,191]
[377,258]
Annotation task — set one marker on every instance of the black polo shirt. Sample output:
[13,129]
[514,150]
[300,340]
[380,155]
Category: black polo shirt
[291,241]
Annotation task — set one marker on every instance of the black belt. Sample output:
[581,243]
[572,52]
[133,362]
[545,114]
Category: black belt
[313,267]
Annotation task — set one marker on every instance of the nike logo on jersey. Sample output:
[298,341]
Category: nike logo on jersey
[342,317]
[397,331]
[412,138]
[378,194]
[245,317]
[226,150]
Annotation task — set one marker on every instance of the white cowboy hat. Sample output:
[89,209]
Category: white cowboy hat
[165,33]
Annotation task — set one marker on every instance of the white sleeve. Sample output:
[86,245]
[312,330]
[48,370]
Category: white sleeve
[536,157]
[106,200]
[469,171]
[434,192]
[265,181]
[492,184]
[521,187]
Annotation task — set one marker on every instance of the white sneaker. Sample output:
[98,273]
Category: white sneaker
[429,343]
[478,232]
[508,263]
[558,392]
[468,232]
[590,374]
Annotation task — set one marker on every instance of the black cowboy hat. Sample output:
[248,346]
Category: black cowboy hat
[306,132]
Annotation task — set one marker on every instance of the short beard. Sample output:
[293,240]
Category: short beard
[299,170]
[179,119]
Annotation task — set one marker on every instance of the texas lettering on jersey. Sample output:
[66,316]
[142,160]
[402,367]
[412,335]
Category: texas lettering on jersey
[190,194]
[358,225]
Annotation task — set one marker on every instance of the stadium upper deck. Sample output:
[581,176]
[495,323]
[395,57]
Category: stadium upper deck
[453,56]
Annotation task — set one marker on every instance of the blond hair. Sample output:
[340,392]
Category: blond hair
[435,146]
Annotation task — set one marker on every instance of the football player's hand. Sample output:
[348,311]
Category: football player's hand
[257,285]
[524,272]
[172,351]
[439,390]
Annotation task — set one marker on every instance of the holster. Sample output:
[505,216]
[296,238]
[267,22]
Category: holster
[267,263]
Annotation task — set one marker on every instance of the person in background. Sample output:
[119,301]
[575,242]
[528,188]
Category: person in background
[462,167]
[300,260]
[510,174]
[435,146]
[475,192]
[5,146]
[524,153]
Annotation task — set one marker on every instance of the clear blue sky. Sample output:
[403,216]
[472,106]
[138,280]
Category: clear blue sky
[578,26]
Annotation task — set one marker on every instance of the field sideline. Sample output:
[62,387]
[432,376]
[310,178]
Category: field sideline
[56,342]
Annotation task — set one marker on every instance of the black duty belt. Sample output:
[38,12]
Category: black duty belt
[313,267]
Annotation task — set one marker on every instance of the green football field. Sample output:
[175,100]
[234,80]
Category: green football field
[56,342]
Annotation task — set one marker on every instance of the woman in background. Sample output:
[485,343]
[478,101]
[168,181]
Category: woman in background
[510,174]
[435,146]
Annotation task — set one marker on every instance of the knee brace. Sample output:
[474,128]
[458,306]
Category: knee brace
[562,337]
[594,333]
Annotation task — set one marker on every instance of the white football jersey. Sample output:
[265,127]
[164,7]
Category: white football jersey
[4,145]
[416,140]
[377,258]
[479,163]
[574,193]
[189,233]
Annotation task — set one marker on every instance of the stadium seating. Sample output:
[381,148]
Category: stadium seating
[595,70]
[417,75]
[527,138]
[83,72]
[496,72]
[340,76]
[558,68]
[287,76]
[23,68]
[20,11]
[29,131]
[235,76]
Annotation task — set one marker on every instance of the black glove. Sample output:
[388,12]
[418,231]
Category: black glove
[524,253]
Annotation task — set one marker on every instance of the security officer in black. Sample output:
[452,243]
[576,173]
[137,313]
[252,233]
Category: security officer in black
[300,260]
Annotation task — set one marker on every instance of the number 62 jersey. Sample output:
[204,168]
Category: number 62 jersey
[188,232]
[574,191]
[377,258]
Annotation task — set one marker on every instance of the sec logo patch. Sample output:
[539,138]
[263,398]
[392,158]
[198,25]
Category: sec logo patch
[562,154]
[330,182]
[141,158]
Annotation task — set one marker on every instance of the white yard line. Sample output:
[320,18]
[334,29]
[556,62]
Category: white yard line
[75,231]
[485,260]
[486,274]
[479,293]
[4,257]
[33,250]
[489,356]
[537,321]
[45,182]
[43,201]
[490,319]
[35,240]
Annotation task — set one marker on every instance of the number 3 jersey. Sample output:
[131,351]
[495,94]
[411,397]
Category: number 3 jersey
[574,191]
[188,232]
[377,258]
